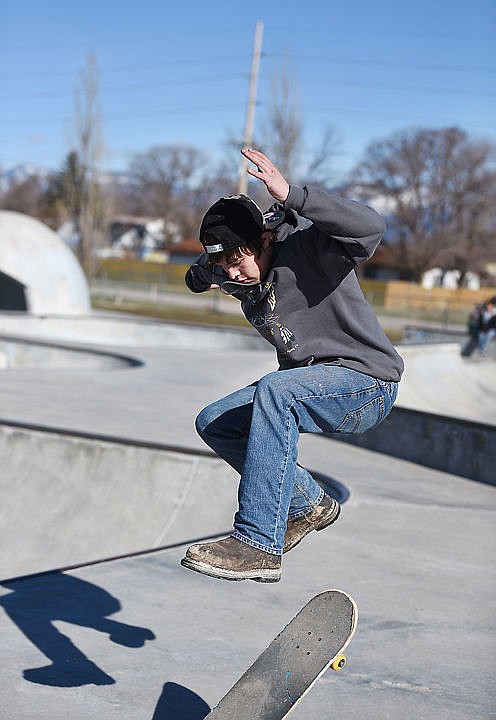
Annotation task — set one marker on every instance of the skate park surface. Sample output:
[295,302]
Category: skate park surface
[105,484]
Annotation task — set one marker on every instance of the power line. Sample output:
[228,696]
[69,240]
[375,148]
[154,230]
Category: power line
[164,37]
[201,109]
[402,88]
[126,86]
[389,115]
[186,61]
[391,63]
[285,30]
[238,76]
[128,68]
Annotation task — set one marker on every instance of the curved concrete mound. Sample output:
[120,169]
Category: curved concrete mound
[38,272]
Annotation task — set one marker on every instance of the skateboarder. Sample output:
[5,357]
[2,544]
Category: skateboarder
[487,324]
[292,268]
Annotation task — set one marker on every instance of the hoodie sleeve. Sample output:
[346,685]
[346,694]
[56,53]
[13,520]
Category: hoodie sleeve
[357,227]
[201,276]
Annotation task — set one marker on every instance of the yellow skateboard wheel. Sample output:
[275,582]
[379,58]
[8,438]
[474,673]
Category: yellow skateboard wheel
[339,662]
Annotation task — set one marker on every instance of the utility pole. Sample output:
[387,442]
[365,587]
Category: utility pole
[250,110]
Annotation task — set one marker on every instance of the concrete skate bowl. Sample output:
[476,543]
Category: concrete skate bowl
[445,415]
[73,499]
[24,353]
[70,500]
[121,330]
[437,379]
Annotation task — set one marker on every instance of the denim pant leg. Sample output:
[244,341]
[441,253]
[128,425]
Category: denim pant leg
[485,338]
[315,399]
[225,427]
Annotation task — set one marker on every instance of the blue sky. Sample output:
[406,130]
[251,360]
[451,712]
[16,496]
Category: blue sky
[178,71]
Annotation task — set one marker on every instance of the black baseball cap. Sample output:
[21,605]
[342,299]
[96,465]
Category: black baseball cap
[234,221]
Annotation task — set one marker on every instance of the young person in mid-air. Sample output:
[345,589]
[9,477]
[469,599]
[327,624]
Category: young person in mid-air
[292,268]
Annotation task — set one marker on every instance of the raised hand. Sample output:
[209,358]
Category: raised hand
[267,172]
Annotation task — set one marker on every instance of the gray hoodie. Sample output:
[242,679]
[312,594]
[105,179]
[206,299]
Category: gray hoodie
[310,307]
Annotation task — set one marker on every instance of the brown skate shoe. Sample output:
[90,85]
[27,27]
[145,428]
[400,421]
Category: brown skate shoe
[324,514]
[231,559]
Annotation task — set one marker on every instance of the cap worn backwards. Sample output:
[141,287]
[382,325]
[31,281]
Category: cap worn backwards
[234,221]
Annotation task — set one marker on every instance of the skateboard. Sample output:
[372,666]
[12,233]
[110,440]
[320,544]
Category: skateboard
[312,642]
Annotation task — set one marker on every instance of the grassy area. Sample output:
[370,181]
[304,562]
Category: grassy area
[197,316]
[393,298]
[443,316]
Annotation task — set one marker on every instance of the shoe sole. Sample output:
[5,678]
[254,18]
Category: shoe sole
[263,576]
[326,524]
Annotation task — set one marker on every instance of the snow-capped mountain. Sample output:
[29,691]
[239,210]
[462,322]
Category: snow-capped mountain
[20,173]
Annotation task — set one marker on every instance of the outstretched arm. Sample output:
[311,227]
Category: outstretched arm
[357,227]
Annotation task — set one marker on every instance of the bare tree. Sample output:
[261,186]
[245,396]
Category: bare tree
[282,127]
[319,169]
[211,183]
[440,189]
[24,196]
[282,134]
[82,189]
[165,176]
[473,190]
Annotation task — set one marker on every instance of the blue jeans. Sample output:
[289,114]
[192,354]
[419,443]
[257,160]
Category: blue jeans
[256,431]
[485,338]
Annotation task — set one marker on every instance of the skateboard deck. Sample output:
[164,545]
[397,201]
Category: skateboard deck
[278,679]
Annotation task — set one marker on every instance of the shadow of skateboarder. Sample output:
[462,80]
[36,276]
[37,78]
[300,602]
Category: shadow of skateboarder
[36,602]
[176,701]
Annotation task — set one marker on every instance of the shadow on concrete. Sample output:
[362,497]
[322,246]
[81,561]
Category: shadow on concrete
[177,701]
[453,445]
[35,603]
[332,487]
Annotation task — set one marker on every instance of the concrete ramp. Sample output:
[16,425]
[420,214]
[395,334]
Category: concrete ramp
[117,330]
[68,500]
[439,380]
[20,353]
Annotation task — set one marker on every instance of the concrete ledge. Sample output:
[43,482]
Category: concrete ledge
[71,499]
[460,447]
[68,500]
[24,353]
[114,330]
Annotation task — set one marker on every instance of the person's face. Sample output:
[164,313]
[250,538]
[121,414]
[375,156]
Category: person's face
[250,268]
